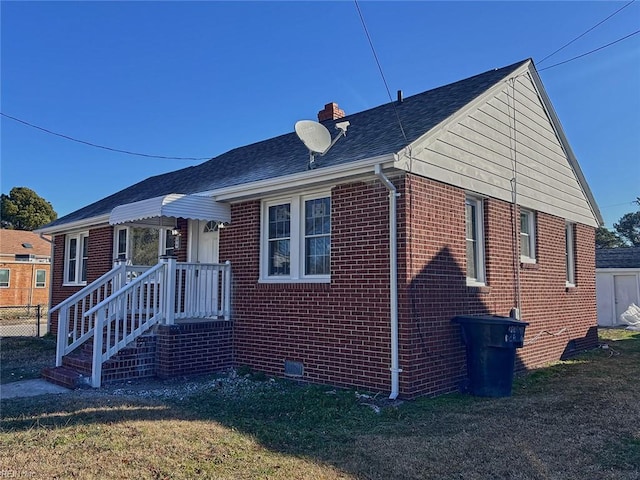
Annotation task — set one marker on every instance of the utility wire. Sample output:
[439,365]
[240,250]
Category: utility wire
[100,146]
[366,31]
[583,34]
[590,52]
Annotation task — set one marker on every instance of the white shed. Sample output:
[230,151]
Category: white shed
[617,282]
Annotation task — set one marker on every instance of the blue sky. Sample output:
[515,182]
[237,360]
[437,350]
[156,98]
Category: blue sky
[195,79]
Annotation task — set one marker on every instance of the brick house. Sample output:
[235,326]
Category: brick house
[465,199]
[25,261]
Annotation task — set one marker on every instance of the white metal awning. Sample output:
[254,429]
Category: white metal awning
[176,205]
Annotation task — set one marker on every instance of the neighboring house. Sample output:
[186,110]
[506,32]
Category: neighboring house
[617,282]
[25,260]
[465,199]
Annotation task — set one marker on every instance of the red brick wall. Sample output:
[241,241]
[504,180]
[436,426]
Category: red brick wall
[339,331]
[431,352]
[22,284]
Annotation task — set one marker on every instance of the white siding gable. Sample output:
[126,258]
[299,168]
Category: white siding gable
[509,132]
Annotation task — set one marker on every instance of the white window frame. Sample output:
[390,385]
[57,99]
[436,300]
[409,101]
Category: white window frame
[570,254]
[80,260]
[479,248]
[42,284]
[164,232]
[8,278]
[529,237]
[296,240]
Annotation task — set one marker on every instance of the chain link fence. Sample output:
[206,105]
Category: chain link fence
[23,321]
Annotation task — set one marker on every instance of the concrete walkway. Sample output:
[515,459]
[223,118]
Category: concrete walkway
[29,388]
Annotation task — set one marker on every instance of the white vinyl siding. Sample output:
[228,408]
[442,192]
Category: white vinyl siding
[76,256]
[482,150]
[474,223]
[296,239]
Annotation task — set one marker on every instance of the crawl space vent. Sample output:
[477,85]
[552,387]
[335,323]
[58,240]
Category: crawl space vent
[293,369]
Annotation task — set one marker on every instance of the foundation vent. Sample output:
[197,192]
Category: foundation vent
[293,369]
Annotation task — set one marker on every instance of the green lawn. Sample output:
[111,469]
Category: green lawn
[576,419]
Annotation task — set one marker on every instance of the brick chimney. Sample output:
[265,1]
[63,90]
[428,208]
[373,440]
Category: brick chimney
[331,111]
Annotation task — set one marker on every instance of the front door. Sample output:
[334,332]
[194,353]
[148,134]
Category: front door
[204,249]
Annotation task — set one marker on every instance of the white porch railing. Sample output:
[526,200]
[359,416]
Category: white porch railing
[127,301]
[73,329]
[127,314]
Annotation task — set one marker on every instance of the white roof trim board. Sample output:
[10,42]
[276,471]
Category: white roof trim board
[194,207]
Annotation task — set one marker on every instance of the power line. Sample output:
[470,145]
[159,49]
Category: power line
[366,31]
[590,52]
[583,34]
[100,146]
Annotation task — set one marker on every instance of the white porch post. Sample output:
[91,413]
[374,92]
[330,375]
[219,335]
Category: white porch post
[63,332]
[121,279]
[169,289]
[227,289]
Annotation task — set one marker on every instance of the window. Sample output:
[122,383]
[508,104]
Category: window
[143,245]
[4,277]
[297,239]
[527,236]
[41,278]
[570,255]
[75,258]
[475,241]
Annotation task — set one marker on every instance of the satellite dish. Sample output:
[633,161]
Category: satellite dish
[314,135]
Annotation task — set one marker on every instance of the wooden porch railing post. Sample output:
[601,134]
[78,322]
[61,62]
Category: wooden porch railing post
[120,280]
[227,290]
[63,332]
[169,290]
[96,367]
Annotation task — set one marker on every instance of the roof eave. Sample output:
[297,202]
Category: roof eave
[75,225]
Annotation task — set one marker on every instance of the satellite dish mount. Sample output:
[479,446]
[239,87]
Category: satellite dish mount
[317,138]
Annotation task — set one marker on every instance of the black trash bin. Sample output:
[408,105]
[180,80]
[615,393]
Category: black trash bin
[491,343]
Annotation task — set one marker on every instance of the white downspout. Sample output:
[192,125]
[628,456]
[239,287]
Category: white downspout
[393,277]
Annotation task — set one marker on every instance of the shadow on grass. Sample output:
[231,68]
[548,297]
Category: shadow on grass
[453,436]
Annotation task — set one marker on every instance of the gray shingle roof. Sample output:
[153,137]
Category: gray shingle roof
[372,133]
[624,257]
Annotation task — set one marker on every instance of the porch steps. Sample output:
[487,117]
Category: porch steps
[64,376]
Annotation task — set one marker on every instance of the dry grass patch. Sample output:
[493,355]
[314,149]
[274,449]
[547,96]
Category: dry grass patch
[24,357]
[573,419]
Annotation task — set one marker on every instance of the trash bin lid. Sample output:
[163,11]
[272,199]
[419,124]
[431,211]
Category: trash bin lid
[488,319]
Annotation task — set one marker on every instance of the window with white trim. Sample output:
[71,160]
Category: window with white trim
[474,219]
[76,254]
[527,236]
[143,245]
[5,274]
[41,278]
[296,239]
[570,255]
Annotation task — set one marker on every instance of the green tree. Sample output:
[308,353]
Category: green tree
[24,209]
[605,238]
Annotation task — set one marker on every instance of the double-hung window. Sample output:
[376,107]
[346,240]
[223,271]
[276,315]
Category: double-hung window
[5,274]
[75,258]
[474,219]
[296,239]
[41,278]
[570,255]
[527,236]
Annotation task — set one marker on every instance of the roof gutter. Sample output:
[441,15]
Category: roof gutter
[393,278]
[78,224]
